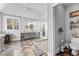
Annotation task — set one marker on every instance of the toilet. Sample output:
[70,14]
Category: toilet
[74,45]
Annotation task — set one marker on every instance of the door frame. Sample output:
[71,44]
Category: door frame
[51,29]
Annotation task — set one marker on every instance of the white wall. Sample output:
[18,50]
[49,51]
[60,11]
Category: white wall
[59,22]
[19,10]
[2,5]
[26,22]
[68,9]
[0,23]
[43,21]
[43,16]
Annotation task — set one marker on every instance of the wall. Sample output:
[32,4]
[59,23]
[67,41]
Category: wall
[0,23]
[19,10]
[43,21]
[26,22]
[69,9]
[59,13]
[2,5]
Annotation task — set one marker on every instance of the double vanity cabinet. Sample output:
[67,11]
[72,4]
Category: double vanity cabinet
[30,35]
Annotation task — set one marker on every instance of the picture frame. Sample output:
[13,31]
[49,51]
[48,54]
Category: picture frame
[9,23]
[12,22]
[16,24]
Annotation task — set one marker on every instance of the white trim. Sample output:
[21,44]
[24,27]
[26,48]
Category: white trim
[53,39]
[54,51]
[58,49]
[55,4]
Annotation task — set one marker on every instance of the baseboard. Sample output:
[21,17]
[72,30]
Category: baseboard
[58,49]
[49,53]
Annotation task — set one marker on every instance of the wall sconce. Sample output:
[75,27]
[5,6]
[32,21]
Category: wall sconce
[60,30]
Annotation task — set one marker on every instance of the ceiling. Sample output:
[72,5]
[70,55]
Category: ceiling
[35,6]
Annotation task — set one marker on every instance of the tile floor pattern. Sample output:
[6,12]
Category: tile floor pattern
[25,48]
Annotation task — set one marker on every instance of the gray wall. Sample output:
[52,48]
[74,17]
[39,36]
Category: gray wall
[59,22]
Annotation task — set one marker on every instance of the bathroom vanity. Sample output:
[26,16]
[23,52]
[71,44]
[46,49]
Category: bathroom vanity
[30,35]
